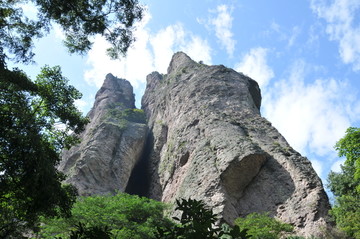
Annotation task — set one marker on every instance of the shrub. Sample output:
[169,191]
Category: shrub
[126,216]
[134,115]
[262,226]
[197,221]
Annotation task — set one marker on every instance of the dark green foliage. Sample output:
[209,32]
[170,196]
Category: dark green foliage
[346,184]
[300,237]
[30,145]
[262,226]
[234,232]
[196,222]
[30,142]
[125,216]
[95,232]
[349,146]
[80,20]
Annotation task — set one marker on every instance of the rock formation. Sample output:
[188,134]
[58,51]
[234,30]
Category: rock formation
[211,143]
[206,140]
[111,144]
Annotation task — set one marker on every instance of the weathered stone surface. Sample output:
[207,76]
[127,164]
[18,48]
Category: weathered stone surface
[110,145]
[209,142]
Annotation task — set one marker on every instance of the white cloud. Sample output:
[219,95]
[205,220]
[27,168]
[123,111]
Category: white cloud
[198,49]
[341,26]
[295,33]
[150,52]
[81,104]
[175,38]
[163,45]
[29,9]
[222,24]
[336,167]
[254,64]
[318,166]
[137,64]
[58,31]
[311,116]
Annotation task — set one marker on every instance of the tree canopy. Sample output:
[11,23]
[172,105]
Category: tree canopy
[346,184]
[79,19]
[38,116]
[36,121]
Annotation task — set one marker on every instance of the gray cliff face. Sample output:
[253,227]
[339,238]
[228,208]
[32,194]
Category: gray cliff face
[209,142]
[110,145]
[205,139]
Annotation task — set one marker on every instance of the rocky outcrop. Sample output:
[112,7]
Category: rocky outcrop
[209,142]
[205,139]
[111,144]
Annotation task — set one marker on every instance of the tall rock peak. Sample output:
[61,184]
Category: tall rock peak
[179,61]
[210,142]
[111,144]
[113,91]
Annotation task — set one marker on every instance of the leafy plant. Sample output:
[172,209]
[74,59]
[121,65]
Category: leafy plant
[196,221]
[95,232]
[262,226]
[126,216]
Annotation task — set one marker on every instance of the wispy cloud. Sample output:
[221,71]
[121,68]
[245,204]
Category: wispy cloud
[198,49]
[221,22]
[341,26]
[176,38]
[254,64]
[294,35]
[284,34]
[311,116]
[81,104]
[134,67]
[150,52]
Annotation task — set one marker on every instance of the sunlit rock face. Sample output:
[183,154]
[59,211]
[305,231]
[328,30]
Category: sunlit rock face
[208,141]
[110,145]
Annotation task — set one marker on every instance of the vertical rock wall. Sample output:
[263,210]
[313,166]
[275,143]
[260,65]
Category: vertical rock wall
[110,145]
[210,142]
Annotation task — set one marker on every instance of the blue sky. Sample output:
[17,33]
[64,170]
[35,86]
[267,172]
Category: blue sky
[305,56]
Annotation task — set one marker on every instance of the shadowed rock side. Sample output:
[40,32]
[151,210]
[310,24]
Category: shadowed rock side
[110,145]
[209,142]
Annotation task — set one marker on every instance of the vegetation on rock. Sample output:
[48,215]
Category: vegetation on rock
[120,117]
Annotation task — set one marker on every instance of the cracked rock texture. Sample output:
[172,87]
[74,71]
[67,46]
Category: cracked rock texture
[110,146]
[208,141]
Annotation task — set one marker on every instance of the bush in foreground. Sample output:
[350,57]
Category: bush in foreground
[125,216]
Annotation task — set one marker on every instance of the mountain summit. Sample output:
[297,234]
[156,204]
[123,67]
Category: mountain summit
[204,139]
